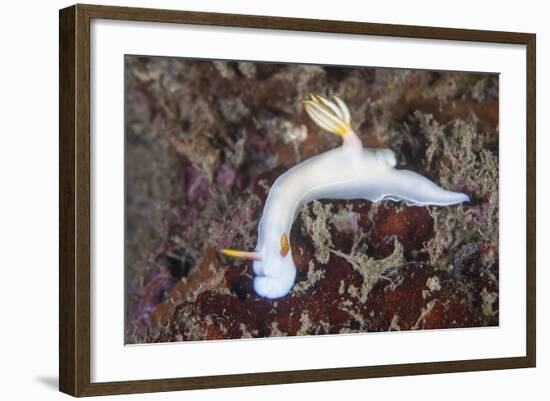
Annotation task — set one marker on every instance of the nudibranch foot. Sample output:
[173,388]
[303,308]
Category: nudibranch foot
[348,172]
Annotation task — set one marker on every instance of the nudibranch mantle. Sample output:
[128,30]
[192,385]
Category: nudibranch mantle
[347,172]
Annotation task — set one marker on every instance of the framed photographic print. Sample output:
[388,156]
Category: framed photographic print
[251,200]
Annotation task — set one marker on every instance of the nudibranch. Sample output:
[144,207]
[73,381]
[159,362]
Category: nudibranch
[348,172]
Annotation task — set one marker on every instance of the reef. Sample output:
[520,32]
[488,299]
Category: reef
[205,142]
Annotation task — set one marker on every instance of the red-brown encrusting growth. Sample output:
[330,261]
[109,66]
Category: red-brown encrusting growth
[204,143]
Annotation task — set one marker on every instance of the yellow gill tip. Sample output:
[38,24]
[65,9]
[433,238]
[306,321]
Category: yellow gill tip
[327,115]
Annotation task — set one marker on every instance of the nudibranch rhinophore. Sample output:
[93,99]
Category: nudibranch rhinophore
[347,172]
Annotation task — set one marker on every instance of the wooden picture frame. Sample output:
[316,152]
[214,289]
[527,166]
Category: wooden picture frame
[75,206]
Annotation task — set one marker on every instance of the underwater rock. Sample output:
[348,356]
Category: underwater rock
[205,139]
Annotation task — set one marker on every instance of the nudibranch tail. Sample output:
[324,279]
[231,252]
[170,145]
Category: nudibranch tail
[233,253]
[412,188]
[333,117]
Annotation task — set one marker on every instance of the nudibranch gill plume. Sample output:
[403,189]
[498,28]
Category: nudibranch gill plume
[348,172]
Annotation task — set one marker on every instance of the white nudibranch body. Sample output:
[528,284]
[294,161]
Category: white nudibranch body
[347,172]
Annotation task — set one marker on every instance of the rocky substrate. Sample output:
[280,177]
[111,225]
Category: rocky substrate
[204,143]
